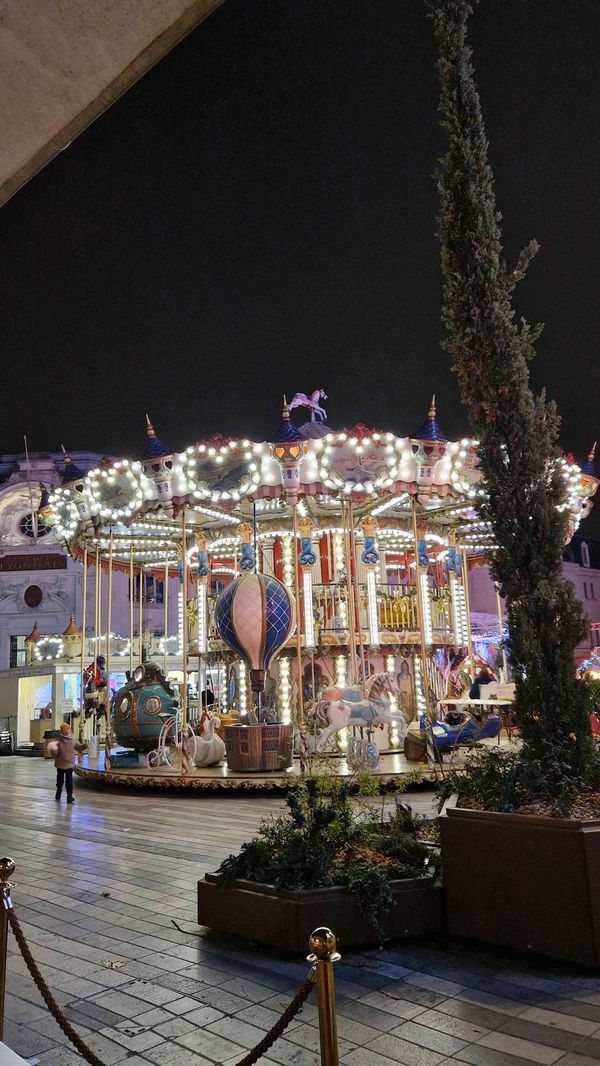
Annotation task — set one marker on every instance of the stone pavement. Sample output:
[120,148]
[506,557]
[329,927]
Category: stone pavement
[98,885]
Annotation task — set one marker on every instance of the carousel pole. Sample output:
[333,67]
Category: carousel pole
[351,618]
[301,723]
[141,612]
[83,614]
[131,589]
[184,635]
[108,622]
[357,595]
[166,622]
[465,569]
[420,611]
[97,624]
[501,629]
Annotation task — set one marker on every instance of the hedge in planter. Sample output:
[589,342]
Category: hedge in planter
[324,842]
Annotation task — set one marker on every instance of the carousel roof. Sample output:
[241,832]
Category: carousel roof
[222,482]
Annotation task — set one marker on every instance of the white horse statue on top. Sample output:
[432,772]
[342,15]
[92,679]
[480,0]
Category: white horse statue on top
[343,708]
[312,402]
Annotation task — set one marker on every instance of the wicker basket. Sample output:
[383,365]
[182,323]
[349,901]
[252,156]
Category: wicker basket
[258,747]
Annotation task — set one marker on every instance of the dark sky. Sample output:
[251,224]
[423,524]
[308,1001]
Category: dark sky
[257,215]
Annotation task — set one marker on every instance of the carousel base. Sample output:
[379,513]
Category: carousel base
[392,766]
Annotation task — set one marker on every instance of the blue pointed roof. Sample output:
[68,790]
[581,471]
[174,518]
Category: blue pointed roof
[155,449]
[287,431]
[589,467]
[71,472]
[430,430]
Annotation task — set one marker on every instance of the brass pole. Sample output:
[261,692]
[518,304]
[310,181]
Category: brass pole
[361,645]
[323,955]
[141,612]
[184,636]
[97,629]
[131,589]
[351,619]
[298,623]
[419,603]
[108,621]
[83,650]
[465,569]
[166,622]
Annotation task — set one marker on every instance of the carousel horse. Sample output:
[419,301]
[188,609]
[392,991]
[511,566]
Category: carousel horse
[312,402]
[341,708]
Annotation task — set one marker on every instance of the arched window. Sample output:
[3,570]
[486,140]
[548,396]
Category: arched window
[585,554]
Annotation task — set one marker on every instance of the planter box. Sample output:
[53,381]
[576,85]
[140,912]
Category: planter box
[523,882]
[286,919]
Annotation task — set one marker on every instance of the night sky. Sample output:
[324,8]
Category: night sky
[257,215]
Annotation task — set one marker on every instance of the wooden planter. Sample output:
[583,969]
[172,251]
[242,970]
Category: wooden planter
[258,747]
[523,882]
[286,919]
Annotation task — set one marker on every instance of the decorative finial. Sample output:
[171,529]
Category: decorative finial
[285,413]
[149,426]
[431,412]
[66,456]
[592,453]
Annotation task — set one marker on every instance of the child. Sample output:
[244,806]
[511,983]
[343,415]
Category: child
[64,761]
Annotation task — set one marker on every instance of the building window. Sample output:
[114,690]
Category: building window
[585,555]
[27,528]
[154,589]
[595,637]
[18,655]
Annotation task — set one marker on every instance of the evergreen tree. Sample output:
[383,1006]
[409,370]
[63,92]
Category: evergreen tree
[517,431]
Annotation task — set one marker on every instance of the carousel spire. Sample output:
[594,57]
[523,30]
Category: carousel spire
[589,466]
[71,472]
[287,430]
[155,449]
[430,430]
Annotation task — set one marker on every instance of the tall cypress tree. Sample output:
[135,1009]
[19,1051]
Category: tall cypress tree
[518,432]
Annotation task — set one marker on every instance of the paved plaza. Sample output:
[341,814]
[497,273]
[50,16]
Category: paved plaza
[99,884]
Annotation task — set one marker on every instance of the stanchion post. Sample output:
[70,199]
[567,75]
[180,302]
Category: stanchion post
[7,869]
[323,955]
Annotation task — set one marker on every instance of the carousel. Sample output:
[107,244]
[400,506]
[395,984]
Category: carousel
[321,579]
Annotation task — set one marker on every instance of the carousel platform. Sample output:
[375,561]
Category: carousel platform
[392,766]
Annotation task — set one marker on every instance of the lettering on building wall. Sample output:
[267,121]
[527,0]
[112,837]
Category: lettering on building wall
[14,563]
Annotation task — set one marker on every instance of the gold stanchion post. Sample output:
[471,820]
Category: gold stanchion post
[7,868]
[323,955]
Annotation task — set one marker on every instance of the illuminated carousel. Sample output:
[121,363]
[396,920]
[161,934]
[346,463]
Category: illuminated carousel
[321,580]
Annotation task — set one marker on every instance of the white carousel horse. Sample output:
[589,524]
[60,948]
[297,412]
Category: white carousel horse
[207,749]
[312,402]
[342,708]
